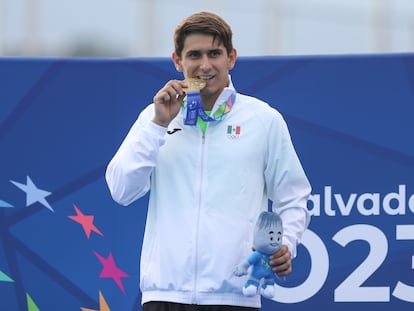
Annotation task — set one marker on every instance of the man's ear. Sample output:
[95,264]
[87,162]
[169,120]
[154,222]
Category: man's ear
[232,59]
[177,62]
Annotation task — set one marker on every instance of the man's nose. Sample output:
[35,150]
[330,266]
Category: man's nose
[205,63]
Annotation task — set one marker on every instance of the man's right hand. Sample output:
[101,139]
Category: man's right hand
[168,102]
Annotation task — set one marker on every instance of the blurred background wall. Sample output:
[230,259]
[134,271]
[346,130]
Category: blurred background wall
[144,28]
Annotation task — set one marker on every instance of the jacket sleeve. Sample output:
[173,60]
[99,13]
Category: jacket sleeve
[287,184]
[128,173]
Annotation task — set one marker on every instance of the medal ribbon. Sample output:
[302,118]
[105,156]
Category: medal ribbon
[195,109]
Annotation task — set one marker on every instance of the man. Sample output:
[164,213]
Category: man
[211,170]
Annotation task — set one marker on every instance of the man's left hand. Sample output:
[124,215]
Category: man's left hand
[281,261]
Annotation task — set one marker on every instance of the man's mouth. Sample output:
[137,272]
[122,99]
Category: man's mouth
[205,77]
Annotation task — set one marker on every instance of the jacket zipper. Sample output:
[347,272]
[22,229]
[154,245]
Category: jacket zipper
[200,187]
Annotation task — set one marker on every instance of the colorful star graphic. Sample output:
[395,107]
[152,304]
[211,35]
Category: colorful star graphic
[86,221]
[33,194]
[5,204]
[103,306]
[110,270]
[4,277]
[31,306]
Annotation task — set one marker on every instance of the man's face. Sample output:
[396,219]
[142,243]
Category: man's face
[202,58]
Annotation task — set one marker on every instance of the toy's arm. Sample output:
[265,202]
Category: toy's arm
[241,269]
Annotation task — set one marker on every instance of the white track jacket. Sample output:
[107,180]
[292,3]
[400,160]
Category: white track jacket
[206,194]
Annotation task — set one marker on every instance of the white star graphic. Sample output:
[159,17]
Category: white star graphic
[33,194]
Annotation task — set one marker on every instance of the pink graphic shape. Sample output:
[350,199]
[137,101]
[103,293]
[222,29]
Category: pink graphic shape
[86,221]
[111,270]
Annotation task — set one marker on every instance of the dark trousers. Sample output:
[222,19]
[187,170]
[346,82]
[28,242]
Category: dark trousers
[171,306]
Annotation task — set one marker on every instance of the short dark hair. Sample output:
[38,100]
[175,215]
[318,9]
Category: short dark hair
[203,23]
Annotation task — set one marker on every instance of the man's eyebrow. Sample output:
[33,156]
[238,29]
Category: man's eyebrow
[216,50]
[193,51]
[204,51]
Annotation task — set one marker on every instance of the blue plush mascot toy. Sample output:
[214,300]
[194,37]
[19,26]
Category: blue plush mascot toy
[267,239]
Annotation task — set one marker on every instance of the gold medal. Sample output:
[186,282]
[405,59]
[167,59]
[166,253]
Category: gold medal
[194,85]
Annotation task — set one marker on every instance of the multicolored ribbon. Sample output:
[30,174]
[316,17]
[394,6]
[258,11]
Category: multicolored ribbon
[195,109]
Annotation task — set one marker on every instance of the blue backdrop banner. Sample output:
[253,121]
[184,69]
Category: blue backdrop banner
[66,245]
